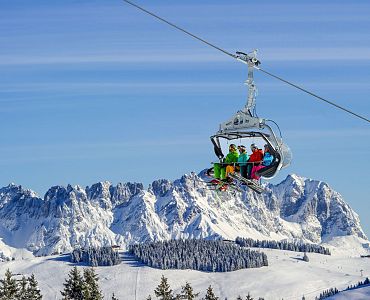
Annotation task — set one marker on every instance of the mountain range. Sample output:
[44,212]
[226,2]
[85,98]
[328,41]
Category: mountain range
[297,209]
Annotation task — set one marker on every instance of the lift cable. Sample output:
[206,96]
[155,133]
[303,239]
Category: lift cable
[179,28]
[314,95]
[256,67]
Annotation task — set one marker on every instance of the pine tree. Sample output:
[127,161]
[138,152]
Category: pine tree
[239,298]
[91,290]
[210,295]
[114,297]
[73,286]
[163,290]
[33,291]
[149,297]
[22,290]
[8,287]
[187,293]
[249,297]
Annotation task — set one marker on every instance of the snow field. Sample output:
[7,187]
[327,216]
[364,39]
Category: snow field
[287,276]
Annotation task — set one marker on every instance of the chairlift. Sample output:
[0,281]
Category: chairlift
[245,124]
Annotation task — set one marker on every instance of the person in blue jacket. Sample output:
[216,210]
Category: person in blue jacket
[267,160]
[267,157]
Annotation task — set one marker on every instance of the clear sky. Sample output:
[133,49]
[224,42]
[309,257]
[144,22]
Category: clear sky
[96,90]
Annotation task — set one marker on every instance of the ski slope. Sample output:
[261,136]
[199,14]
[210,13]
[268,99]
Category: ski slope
[287,276]
[356,294]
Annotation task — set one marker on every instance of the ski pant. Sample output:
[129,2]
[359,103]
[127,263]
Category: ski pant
[254,170]
[249,170]
[219,172]
[244,171]
[229,169]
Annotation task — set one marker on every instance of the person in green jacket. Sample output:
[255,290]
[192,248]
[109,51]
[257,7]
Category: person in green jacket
[243,161]
[220,172]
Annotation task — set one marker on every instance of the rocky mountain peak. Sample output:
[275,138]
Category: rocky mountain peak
[296,208]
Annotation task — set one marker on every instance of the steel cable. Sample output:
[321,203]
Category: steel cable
[258,68]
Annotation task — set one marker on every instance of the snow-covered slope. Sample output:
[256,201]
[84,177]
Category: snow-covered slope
[287,277]
[104,214]
[362,293]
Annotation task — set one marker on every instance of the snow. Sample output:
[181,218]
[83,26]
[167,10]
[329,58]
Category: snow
[362,293]
[287,276]
[297,209]
[103,214]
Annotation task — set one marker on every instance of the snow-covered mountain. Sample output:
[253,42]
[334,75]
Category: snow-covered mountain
[103,214]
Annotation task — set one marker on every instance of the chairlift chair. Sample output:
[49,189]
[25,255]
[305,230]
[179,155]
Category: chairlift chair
[246,124]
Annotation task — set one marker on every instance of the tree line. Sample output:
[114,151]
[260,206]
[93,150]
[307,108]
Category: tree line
[332,291]
[282,245]
[201,255]
[85,286]
[77,286]
[359,284]
[25,288]
[96,256]
[164,292]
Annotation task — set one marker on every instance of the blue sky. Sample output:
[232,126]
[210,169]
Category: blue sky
[96,90]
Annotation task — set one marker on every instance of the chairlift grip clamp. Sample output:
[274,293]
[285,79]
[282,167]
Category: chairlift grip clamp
[250,59]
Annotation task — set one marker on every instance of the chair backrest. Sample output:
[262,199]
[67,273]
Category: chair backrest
[269,171]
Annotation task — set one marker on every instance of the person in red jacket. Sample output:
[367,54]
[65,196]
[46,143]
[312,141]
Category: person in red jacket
[255,159]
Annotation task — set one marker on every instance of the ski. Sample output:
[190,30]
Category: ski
[222,186]
[248,182]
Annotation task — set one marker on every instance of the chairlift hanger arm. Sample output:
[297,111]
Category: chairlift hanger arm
[245,58]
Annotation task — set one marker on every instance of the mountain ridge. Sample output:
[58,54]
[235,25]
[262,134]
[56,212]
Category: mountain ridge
[104,214]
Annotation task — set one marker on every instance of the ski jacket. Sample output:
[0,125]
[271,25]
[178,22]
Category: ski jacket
[256,156]
[232,157]
[267,159]
[242,159]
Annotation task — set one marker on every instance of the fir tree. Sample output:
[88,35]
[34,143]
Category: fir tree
[114,297]
[209,256]
[239,298]
[283,245]
[74,286]
[96,256]
[91,289]
[8,287]
[149,297]
[249,297]
[33,291]
[163,290]
[210,295]
[187,293]
[22,290]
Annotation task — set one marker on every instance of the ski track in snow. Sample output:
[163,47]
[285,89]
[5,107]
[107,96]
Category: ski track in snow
[286,277]
[137,282]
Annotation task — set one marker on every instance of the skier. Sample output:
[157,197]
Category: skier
[255,159]
[267,160]
[242,161]
[220,171]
